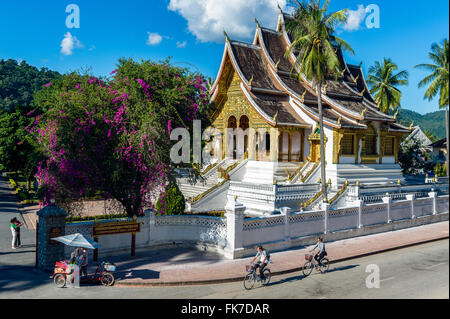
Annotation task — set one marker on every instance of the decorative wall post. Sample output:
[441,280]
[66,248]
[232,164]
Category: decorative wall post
[433,196]
[284,212]
[235,221]
[251,144]
[388,200]
[51,223]
[326,208]
[274,144]
[151,215]
[410,197]
[359,203]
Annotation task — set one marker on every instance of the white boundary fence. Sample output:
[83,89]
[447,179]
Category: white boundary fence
[235,236]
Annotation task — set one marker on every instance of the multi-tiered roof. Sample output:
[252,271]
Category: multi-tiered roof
[270,85]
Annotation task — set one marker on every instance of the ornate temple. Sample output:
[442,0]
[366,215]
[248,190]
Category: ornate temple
[257,90]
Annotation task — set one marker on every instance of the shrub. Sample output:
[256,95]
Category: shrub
[74,219]
[171,202]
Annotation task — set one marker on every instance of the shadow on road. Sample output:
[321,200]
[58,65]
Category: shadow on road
[301,277]
[18,251]
[21,278]
[139,273]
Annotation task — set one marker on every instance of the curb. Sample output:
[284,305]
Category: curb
[281,272]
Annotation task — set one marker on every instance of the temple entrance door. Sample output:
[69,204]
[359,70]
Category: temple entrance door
[232,123]
[234,146]
[244,125]
[314,152]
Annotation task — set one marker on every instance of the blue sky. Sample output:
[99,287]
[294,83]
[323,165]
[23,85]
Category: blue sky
[190,31]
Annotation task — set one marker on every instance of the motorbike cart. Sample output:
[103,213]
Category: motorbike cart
[103,274]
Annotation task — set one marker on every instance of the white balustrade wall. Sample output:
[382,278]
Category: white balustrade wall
[276,231]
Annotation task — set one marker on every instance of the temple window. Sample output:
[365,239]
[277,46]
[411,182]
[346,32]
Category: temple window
[371,141]
[348,144]
[389,145]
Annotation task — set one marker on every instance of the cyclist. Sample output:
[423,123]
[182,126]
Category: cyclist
[322,253]
[264,259]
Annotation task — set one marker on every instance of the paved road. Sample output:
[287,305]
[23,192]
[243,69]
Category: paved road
[416,272]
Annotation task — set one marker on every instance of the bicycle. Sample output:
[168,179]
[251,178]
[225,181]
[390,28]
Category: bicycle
[311,264]
[252,277]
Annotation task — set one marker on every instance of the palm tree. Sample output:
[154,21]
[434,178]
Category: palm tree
[315,43]
[383,82]
[438,80]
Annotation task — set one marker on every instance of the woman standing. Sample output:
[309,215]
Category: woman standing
[15,230]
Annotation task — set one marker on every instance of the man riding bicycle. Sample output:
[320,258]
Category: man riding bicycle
[264,258]
[322,253]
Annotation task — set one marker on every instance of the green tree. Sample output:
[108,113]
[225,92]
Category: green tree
[313,30]
[383,82]
[438,80]
[171,202]
[19,81]
[18,149]
[431,136]
[411,157]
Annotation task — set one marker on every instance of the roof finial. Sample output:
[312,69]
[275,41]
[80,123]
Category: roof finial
[363,111]
[275,117]
[356,79]
[395,115]
[343,71]
[250,82]
[362,93]
[360,64]
[226,35]
[279,8]
[257,23]
[303,95]
[276,65]
[412,123]
[339,119]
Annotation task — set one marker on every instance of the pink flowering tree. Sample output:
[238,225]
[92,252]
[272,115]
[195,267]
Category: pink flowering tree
[112,135]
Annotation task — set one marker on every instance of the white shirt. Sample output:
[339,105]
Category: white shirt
[262,256]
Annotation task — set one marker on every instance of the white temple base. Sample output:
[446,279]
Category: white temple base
[261,173]
[367,174]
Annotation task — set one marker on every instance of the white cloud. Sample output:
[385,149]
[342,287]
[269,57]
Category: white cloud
[181,44]
[69,43]
[154,38]
[355,18]
[207,18]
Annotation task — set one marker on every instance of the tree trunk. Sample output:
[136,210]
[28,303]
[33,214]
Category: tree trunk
[447,136]
[322,144]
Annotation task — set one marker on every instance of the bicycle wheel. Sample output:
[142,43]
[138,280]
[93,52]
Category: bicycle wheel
[307,268]
[267,277]
[60,280]
[325,265]
[107,279]
[249,281]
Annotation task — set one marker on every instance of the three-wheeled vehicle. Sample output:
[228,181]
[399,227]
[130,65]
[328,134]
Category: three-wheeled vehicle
[103,274]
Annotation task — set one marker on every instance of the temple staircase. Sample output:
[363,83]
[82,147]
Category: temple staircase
[208,192]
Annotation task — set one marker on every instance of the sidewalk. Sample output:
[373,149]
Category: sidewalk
[181,266]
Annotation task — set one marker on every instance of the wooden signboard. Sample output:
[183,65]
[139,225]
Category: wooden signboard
[55,232]
[115,228]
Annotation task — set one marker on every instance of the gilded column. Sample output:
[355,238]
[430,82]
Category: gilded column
[289,146]
[225,148]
